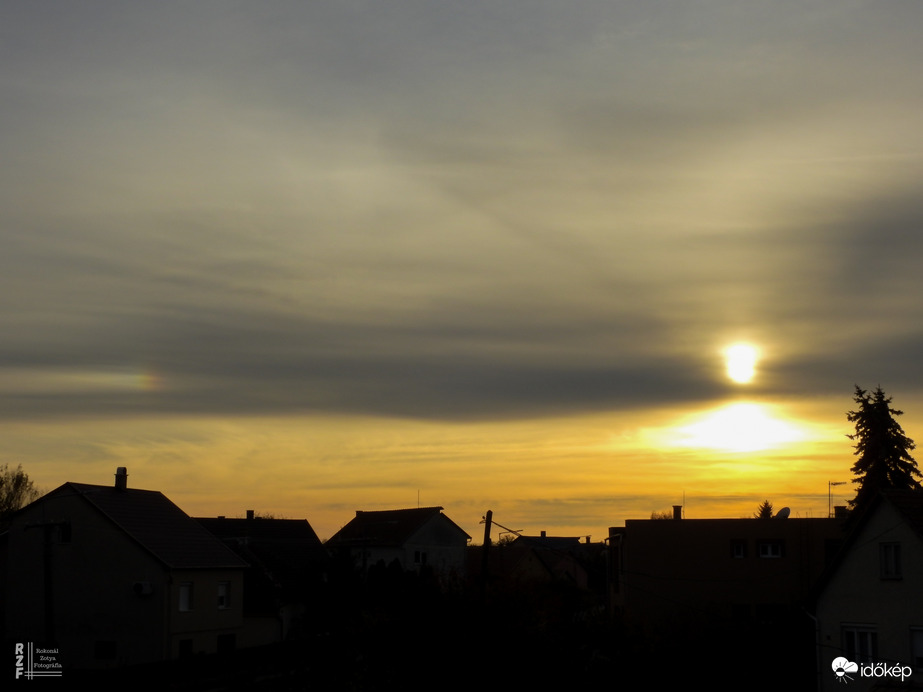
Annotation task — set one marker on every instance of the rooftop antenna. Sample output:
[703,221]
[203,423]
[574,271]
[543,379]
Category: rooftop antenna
[830,485]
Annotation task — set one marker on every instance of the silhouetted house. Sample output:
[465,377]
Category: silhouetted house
[411,538]
[544,559]
[870,602]
[287,573]
[674,574]
[115,576]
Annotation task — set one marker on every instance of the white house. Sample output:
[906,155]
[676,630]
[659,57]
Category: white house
[869,606]
[414,538]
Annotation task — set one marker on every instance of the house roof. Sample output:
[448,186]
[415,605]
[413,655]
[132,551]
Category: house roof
[157,525]
[285,556]
[258,528]
[288,543]
[392,527]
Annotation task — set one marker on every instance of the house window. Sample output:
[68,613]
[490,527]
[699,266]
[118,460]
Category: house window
[185,596]
[419,557]
[64,532]
[890,559]
[224,595]
[738,549]
[860,643]
[771,549]
[916,648]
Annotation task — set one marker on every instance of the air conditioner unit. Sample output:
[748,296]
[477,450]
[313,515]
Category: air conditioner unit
[143,588]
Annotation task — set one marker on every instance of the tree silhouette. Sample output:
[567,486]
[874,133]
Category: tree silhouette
[882,447]
[16,490]
[764,511]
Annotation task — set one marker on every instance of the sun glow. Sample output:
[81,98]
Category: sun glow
[740,427]
[741,361]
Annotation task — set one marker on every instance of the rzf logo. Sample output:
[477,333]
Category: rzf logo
[19,658]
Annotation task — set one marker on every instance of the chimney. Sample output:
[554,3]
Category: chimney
[543,534]
[249,514]
[840,512]
[677,512]
[121,478]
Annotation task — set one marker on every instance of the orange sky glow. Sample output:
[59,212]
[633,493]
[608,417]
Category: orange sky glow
[572,263]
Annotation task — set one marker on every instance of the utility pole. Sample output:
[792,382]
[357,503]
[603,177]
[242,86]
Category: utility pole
[488,519]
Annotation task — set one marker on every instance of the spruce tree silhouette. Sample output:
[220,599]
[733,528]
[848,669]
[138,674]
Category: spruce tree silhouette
[882,447]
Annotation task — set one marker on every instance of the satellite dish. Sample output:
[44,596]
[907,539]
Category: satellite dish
[783,513]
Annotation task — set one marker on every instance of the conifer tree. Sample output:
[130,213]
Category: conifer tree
[764,511]
[882,448]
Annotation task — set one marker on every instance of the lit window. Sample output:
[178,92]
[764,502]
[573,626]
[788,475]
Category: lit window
[185,596]
[890,560]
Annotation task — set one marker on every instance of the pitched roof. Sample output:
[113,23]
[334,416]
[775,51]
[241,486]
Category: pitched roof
[391,527]
[157,525]
[283,544]
[258,528]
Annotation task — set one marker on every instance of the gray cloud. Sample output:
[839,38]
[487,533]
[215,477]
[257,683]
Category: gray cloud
[453,211]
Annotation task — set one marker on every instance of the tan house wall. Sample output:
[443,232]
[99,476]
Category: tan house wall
[205,622]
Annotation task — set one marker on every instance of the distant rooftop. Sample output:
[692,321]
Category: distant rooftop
[391,527]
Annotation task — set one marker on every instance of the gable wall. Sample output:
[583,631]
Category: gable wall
[94,603]
[857,595]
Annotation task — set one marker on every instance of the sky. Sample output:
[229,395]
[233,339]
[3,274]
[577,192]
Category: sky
[312,257]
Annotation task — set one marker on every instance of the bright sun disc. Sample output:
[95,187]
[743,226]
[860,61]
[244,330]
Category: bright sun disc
[741,362]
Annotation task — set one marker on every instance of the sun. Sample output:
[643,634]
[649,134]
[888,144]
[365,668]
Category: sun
[740,360]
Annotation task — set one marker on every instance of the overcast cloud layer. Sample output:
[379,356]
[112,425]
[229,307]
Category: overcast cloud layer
[454,210]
